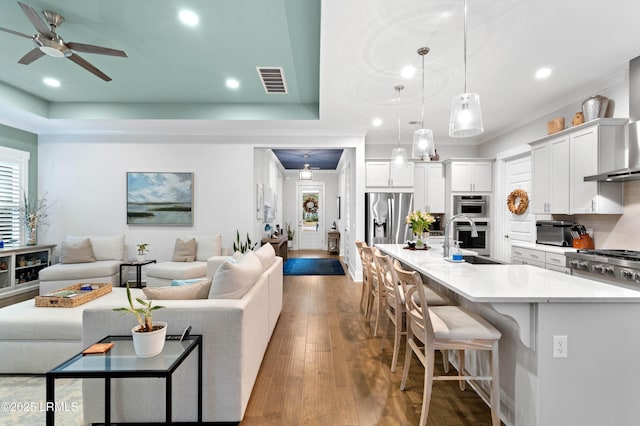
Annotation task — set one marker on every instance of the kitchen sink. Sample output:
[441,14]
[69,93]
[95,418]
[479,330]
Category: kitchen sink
[481,260]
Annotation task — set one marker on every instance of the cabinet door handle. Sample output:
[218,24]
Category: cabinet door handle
[593,205]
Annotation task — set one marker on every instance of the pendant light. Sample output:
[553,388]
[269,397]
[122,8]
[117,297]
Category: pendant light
[423,145]
[466,115]
[305,173]
[399,155]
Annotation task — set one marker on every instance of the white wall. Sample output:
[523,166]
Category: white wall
[85,179]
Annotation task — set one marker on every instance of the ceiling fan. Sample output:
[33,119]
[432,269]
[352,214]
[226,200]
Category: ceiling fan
[48,42]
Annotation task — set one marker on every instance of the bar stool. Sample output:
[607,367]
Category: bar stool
[376,294]
[365,283]
[395,306]
[444,328]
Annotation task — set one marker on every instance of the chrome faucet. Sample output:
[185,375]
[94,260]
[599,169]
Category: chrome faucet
[447,230]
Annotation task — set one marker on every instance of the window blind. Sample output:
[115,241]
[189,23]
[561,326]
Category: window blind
[13,180]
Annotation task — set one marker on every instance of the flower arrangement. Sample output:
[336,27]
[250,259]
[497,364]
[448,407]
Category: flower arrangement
[420,221]
[35,212]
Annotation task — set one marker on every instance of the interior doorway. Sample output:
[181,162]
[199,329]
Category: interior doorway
[514,171]
[310,214]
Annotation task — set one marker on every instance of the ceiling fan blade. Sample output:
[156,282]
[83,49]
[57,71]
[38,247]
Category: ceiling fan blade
[36,21]
[31,56]
[89,48]
[86,65]
[18,33]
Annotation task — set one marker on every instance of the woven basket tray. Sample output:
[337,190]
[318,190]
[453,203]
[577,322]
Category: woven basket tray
[70,302]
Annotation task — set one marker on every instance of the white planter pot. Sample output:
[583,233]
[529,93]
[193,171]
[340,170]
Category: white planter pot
[150,344]
[141,257]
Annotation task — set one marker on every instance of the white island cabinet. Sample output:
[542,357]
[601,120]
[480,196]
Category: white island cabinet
[595,384]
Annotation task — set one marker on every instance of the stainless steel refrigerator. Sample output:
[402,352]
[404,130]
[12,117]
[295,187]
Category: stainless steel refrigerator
[385,215]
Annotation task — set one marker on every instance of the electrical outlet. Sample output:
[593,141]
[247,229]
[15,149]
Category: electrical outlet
[560,348]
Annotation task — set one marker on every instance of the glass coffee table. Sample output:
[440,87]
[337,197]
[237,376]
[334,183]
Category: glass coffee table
[121,362]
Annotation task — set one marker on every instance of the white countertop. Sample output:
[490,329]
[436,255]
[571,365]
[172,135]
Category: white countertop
[508,283]
[543,247]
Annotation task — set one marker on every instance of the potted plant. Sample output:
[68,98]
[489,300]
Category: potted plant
[148,336]
[142,249]
[243,246]
[290,234]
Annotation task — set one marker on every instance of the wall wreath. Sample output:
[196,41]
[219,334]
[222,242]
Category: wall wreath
[310,205]
[518,201]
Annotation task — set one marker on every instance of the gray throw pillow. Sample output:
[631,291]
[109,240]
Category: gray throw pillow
[78,251]
[184,251]
[199,290]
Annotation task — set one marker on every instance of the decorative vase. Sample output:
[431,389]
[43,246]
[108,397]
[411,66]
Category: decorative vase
[32,236]
[419,240]
[141,257]
[149,344]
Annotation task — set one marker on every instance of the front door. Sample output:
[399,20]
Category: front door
[310,216]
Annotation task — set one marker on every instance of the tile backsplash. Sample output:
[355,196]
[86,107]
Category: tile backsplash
[614,231]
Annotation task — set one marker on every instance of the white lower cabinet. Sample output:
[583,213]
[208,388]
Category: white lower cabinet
[20,267]
[539,258]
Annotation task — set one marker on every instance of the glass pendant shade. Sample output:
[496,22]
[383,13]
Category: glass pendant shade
[466,116]
[306,174]
[399,157]
[423,146]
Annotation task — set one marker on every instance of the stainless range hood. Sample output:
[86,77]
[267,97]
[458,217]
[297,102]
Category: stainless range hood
[632,160]
[632,171]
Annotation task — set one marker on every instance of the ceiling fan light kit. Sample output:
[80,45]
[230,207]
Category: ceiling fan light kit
[48,42]
[466,114]
[399,155]
[423,145]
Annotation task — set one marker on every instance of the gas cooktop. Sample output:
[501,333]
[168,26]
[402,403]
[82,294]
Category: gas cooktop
[616,254]
[616,266]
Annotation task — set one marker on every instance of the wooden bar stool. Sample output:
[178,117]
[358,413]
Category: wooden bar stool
[446,328]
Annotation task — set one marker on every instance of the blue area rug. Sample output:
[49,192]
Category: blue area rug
[309,266]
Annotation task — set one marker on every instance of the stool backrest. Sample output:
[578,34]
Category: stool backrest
[418,318]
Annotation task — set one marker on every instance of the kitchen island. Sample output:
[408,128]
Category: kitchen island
[595,383]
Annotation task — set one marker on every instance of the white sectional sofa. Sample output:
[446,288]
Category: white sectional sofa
[208,250]
[235,333]
[108,251]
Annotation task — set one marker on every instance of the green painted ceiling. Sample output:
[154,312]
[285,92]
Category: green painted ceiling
[172,71]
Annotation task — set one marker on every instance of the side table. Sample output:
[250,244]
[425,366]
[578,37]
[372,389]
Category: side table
[333,242]
[279,244]
[138,266]
[121,362]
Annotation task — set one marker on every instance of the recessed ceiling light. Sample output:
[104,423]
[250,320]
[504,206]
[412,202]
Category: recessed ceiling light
[232,83]
[189,18]
[408,71]
[377,122]
[543,73]
[51,82]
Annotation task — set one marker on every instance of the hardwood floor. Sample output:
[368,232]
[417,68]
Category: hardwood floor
[324,367]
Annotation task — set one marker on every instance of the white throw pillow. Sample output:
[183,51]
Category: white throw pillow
[267,255]
[78,251]
[198,290]
[208,246]
[105,247]
[233,279]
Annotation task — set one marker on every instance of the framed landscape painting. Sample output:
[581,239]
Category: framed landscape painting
[159,198]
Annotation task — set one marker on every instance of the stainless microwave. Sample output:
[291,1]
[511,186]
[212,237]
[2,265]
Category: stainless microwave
[471,205]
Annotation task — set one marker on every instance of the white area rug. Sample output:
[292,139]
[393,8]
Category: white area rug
[23,401]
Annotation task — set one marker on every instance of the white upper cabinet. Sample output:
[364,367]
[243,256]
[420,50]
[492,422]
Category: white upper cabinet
[550,189]
[428,187]
[592,151]
[384,174]
[470,176]
[561,161]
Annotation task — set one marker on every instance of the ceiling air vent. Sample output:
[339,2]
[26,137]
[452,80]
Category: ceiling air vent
[272,79]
